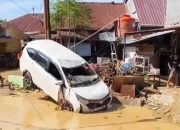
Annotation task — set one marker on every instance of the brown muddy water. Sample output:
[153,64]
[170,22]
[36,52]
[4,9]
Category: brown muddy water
[21,111]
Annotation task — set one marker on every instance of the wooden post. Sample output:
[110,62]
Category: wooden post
[47,20]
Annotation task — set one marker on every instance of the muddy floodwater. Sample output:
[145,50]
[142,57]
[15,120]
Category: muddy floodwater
[23,111]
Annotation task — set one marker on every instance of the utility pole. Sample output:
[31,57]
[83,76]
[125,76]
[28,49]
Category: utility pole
[47,19]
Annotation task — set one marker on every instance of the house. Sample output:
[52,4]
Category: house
[24,28]
[159,34]
[150,13]
[5,41]
[103,16]
[31,25]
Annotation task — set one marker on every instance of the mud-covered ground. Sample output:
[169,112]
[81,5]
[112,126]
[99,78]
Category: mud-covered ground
[33,110]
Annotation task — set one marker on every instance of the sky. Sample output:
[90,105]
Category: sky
[10,9]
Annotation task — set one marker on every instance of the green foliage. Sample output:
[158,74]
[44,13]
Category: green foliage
[2,21]
[69,12]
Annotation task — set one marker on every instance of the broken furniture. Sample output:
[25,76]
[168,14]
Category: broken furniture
[119,82]
[142,64]
[155,73]
[154,78]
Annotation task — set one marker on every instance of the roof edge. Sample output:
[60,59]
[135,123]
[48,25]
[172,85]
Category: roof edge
[101,3]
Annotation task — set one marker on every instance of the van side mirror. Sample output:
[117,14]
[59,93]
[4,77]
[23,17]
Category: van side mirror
[59,83]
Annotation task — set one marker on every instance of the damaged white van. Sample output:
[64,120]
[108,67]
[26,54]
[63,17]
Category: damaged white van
[59,72]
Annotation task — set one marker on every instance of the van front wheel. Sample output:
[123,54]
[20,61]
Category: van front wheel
[28,80]
[68,106]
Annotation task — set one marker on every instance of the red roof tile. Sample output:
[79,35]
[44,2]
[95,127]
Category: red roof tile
[103,13]
[151,12]
[29,23]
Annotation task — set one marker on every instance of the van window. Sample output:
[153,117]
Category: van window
[54,71]
[31,52]
[41,60]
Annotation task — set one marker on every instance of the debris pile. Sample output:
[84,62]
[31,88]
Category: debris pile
[106,72]
[8,60]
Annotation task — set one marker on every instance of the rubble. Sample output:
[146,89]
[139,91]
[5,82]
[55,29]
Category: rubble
[1,81]
[106,72]
[176,118]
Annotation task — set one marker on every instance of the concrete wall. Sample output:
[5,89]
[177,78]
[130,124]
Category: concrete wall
[15,44]
[131,9]
[129,49]
[173,12]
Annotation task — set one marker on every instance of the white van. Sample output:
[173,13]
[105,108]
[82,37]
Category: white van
[53,67]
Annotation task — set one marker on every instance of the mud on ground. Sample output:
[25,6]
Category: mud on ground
[21,110]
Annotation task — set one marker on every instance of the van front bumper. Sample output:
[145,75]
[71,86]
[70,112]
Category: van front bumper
[96,105]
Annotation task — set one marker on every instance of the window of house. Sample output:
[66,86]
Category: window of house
[41,60]
[31,52]
[54,71]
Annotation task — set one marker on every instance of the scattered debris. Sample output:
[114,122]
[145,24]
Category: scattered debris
[1,81]
[16,80]
[106,72]
[176,118]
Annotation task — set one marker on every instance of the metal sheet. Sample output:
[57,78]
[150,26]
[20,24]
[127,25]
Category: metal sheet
[137,38]
[151,12]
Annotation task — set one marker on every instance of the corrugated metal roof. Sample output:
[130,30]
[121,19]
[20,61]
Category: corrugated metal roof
[137,38]
[151,12]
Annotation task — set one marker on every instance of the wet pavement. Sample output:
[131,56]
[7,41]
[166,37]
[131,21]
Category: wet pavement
[22,111]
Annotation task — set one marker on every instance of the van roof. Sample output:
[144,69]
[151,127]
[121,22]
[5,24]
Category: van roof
[57,52]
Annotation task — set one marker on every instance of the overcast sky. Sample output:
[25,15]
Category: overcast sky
[10,9]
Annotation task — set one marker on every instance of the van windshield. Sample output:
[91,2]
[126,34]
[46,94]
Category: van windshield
[81,75]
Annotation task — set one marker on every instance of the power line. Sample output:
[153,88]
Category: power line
[19,6]
[95,32]
[37,18]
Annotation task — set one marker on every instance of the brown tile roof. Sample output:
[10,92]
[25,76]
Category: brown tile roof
[151,12]
[103,13]
[29,23]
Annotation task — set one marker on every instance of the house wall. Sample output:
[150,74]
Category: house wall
[83,49]
[129,49]
[15,44]
[2,47]
[172,12]
[130,7]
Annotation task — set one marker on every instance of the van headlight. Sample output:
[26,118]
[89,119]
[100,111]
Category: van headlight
[81,99]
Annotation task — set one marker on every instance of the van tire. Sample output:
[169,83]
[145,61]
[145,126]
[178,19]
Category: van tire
[68,106]
[28,80]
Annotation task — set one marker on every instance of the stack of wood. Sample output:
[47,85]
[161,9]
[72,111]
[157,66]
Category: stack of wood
[106,72]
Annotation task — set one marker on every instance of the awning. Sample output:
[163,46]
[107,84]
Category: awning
[137,38]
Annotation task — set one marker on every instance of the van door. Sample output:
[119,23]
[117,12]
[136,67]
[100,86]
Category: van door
[52,77]
[39,70]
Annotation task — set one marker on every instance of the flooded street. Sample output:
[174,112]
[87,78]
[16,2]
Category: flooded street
[34,111]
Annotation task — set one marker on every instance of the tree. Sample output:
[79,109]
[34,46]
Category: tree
[69,14]
[65,12]
[2,21]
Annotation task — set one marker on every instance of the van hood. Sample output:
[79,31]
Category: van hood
[94,92]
